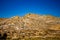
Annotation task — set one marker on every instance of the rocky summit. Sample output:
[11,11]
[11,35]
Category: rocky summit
[29,26]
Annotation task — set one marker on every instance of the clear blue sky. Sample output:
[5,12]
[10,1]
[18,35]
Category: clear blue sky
[9,8]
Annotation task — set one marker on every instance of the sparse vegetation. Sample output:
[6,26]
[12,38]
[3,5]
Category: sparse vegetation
[30,27]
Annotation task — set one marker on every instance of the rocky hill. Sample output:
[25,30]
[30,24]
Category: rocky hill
[30,25]
[2,19]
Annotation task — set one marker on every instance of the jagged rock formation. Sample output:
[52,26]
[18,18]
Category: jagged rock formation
[31,25]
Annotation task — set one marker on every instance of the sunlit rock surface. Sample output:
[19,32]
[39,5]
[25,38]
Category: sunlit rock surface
[30,26]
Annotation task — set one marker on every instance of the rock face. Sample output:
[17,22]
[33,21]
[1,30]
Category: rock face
[31,25]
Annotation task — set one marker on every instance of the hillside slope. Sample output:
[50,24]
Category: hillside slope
[31,25]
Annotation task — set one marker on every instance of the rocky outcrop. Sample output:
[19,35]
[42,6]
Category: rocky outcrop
[31,25]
